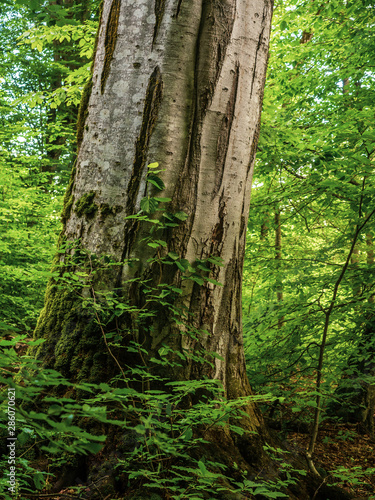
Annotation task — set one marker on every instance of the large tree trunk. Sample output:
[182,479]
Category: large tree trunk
[179,82]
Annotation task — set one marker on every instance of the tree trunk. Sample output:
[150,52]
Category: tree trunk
[355,395]
[279,281]
[179,83]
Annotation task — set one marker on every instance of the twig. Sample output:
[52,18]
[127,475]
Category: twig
[328,312]
[321,484]
[68,495]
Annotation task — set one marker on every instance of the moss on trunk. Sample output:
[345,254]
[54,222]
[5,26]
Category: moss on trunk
[110,40]
[73,341]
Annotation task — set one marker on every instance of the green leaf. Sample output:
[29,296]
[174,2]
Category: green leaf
[162,200]
[181,216]
[202,468]
[149,205]
[156,181]
[93,447]
[197,279]
[188,434]
[173,255]
[39,480]
[214,282]
[180,266]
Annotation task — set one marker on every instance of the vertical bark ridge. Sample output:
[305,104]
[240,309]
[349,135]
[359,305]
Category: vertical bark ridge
[232,186]
[83,111]
[110,40]
[185,193]
[259,46]
[254,144]
[154,95]
[216,23]
[224,134]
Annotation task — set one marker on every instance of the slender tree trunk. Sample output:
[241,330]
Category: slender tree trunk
[354,266]
[264,228]
[279,283]
[65,55]
[369,342]
[355,395]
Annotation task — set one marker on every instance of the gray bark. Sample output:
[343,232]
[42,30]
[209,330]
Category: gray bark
[179,82]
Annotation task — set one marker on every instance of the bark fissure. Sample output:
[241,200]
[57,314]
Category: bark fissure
[83,111]
[68,198]
[178,8]
[254,143]
[159,14]
[110,40]
[153,98]
[218,233]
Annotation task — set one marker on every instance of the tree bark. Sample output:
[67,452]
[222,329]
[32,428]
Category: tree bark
[179,83]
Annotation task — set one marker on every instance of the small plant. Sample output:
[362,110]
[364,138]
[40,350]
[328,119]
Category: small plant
[352,477]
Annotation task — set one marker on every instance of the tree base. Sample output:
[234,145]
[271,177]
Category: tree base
[243,457]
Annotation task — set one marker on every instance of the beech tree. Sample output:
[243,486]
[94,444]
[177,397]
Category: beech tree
[179,83]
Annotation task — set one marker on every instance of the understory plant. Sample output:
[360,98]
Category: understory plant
[157,426]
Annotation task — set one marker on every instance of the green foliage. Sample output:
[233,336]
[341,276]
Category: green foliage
[315,168]
[352,476]
[46,50]
[160,423]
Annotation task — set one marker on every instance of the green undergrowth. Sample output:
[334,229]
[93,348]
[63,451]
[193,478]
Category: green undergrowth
[148,426]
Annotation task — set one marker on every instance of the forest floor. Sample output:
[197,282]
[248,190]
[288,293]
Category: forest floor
[342,456]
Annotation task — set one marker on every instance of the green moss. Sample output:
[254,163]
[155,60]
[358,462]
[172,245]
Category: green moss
[68,198]
[57,312]
[73,341]
[110,40]
[105,209]
[83,111]
[85,205]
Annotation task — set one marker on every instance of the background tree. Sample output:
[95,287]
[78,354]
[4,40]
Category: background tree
[40,93]
[316,162]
